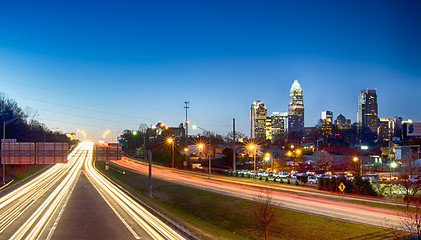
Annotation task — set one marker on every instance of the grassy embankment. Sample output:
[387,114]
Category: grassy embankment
[21,172]
[214,216]
[383,189]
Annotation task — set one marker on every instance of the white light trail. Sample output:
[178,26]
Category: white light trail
[152,225]
[63,177]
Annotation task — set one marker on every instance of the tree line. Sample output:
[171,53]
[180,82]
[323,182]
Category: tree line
[26,128]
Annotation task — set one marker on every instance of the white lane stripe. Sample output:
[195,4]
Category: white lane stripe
[53,228]
[114,210]
[53,199]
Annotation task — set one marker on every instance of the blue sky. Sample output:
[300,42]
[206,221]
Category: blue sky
[118,64]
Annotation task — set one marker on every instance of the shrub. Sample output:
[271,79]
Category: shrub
[358,186]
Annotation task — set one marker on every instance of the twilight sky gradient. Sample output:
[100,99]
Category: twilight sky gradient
[117,64]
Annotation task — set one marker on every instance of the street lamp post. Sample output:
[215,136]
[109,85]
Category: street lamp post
[4,145]
[209,159]
[392,166]
[269,158]
[171,142]
[252,147]
[358,161]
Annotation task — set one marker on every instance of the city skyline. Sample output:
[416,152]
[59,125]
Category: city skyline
[116,66]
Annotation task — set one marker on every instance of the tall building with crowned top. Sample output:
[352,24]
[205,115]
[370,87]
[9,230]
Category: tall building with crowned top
[258,115]
[296,110]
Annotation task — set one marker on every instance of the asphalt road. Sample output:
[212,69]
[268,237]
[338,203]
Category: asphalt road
[74,201]
[88,216]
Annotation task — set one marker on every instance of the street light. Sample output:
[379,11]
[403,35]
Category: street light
[253,147]
[356,159]
[171,142]
[392,166]
[4,145]
[209,164]
[200,147]
[268,158]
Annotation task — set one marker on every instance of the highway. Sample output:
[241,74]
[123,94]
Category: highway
[292,199]
[73,201]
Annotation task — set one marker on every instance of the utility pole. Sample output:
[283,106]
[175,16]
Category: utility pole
[233,146]
[4,145]
[172,154]
[210,152]
[150,174]
[187,121]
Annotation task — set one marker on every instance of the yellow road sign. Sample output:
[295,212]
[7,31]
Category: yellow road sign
[341,187]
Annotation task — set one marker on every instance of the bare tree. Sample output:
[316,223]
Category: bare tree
[279,162]
[408,168]
[143,127]
[323,161]
[264,210]
[409,226]
[230,135]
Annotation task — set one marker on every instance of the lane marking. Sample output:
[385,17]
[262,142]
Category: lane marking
[53,228]
[114,210]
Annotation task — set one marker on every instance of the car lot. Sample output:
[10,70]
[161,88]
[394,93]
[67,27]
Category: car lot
[310,178]
[276,176]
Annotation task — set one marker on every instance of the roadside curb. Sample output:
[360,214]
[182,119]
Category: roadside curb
[5,185]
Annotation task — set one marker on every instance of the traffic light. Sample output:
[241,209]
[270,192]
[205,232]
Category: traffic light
[122,141]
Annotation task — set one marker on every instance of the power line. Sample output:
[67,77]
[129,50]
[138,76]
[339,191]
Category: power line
[187,121]
[87,110]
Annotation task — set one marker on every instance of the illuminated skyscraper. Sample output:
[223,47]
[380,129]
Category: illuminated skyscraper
[327,122]
[278,127]
[342,123]
[296,109]
[258,114]
[367,116]
[385,129]
[328,116]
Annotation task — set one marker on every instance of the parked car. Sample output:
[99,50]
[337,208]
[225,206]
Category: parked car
[323,176]
[197,166]
[414,178]
[312,179]
[387,178]
[372,177]
[302,177]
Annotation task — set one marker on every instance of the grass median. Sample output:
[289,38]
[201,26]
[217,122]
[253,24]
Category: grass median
[214,216]
[21,172]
